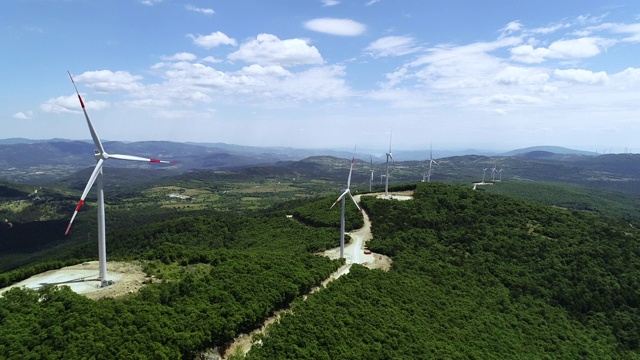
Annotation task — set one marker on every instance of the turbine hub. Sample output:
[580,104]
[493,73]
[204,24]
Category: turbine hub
[98,155]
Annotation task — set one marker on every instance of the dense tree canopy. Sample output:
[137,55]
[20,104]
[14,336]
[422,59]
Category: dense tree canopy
[474,275]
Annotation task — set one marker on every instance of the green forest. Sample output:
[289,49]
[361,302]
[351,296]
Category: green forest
[474,275]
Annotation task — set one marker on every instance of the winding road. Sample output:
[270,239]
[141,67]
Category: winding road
[353,254]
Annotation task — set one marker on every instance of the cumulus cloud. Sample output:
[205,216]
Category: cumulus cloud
[581,76]
[513,75]
[205,11]
[109,81]
[392,46]
[562,49]
[211,59]
[267,49]
[341,27]
[26,115]
[213,40]
[70,104]
[528,54]
[183,56]
[270,70]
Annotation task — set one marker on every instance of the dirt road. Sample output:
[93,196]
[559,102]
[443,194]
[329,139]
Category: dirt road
[353,254]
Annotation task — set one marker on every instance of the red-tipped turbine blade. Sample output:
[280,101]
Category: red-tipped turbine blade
[339,198]
[92,180]
[94,135]
[138,158]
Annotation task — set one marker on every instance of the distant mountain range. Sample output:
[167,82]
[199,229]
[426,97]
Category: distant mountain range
[41,161]
[548,149]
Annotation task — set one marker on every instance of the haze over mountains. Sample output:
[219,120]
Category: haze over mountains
[22,153]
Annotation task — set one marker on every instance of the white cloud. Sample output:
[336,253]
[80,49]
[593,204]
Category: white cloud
[205,11]
[511,27]
[317,83]
[267,49]
[561,49]
[211,59]
[577,48]
[183,56]
[330,2]
[629,75]
[109,81]
[341,27]
[70,104]
[150,2]
[528,54]
[581,76]
[505,99]
[550,29]
[212,40]
[633,30]
[392,46]
[462,67]
[371,2]
[513,75]
[270,70]
[26,115]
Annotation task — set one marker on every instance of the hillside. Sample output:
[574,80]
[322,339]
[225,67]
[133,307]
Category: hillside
[474,275]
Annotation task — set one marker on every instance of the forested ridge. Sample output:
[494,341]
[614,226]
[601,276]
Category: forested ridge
[222,274]
[474,275]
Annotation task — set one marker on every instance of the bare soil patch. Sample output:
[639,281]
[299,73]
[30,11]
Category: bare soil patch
[82,278]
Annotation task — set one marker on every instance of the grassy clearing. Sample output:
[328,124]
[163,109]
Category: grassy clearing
[15,206]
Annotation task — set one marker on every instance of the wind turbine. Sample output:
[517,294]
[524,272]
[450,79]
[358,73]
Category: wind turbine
[342,197]
[431,162]
[500,174]
[101,156]
[389,156]
[371,180]
[483,173]
[493,172]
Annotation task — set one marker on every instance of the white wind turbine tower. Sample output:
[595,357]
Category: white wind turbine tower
[431,162]
[389,156]
[483,174]
[371,179]
[500,175]
[101,156]
[342,197]
[493,172]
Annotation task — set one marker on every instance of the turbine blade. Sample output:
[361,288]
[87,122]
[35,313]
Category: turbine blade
[94,135]
[339,198]
[92,180]
[354,200]
[353,161]
[138,158]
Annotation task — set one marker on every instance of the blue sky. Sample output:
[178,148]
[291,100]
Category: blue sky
[325,73]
